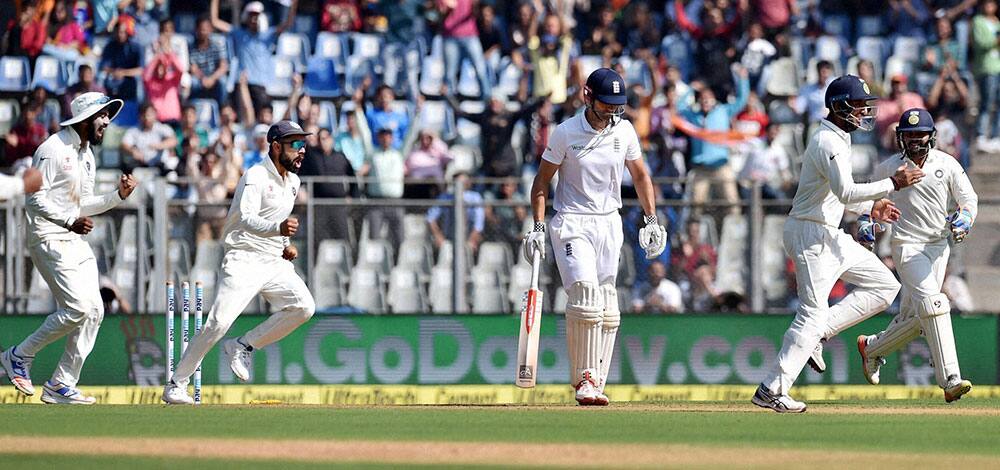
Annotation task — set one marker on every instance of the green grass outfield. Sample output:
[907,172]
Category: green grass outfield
[719,434]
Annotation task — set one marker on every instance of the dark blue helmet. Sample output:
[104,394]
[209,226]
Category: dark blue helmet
[606,86]
[848,88]
[915,122]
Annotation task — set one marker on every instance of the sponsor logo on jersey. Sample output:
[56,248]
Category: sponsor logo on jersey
[618,145]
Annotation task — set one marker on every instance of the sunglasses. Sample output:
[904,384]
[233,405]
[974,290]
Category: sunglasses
[297,144]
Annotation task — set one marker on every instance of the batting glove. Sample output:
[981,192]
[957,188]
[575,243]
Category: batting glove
[867,229]
[961,223]
[652,237]
[534,240]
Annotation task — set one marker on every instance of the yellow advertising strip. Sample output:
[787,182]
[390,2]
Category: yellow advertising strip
[371,395]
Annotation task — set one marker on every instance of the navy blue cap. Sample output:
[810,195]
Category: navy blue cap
[916,120]
[847,88]
[607,86]
[283,129]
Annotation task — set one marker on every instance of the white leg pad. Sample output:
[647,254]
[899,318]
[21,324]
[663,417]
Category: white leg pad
[903,329]
[609,331]
[934,312]
[584,316]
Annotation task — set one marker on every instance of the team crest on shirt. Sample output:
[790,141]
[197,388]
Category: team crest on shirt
[295,192]
[618,145]
[939,173]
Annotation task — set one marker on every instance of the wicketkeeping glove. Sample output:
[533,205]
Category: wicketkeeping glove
[867,229]
[961,223]
[652,237]
[534,240]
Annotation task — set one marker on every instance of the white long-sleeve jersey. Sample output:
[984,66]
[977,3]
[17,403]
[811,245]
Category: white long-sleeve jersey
[826,186]
[67,192]
[926,205]
[10,186]
[262,201]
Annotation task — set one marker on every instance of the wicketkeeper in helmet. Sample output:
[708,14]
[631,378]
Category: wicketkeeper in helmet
[941,206]
[590,151]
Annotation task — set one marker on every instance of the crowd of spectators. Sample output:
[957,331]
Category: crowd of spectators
[723,94]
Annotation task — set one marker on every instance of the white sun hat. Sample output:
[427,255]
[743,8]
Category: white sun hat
[89,104]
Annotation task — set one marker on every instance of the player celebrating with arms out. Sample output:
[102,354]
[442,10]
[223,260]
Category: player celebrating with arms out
[591,151]
[821,251]
[920,250]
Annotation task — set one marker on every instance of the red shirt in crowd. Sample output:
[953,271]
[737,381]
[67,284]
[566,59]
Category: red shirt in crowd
[460,22]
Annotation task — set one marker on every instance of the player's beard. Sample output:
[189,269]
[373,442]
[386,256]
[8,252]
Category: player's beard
[289,162]
[92,136]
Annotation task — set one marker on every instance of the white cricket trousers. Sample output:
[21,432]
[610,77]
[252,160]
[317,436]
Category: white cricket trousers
[587,247]
[70,270]
[823,254]
[244,275]
[921,269]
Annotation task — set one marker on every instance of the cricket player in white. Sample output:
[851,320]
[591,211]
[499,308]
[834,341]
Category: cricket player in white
[591,151]
[58,214]
[942,205]
[821,251]
[13,186]
[258,260]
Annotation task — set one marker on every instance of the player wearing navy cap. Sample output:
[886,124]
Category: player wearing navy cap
[821,251]
[942,205]
[590,151]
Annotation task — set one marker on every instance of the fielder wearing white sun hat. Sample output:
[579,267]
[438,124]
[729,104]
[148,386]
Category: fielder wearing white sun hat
[91,103]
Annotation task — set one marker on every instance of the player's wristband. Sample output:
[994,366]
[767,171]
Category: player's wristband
[539,227]
[895,185]
[649,219]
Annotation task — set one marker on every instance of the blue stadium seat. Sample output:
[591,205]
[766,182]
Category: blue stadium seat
[321,78]
[872,48]
[186,23]
[331,46]
[431,75]
[207,111]
[15,74]
[828,48]
[870,26]
[509,80]
[838,25]
[368,46]
[908,48]
[49,74]
[129,115]
[357,69]
[327,116]
[293,46]
[307,25]
[437,116]
[468,83]
[282,84]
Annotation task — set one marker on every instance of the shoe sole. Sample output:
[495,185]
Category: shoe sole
[586,401]
[10,376]
[767,405]
[164,400]
[862,345]
[54,401]
[965,387]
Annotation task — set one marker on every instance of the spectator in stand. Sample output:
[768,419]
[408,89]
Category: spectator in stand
[948,102]
[945,49]
[439,218]
[22,140]
[492,37]
[710,161]
[49,116]
[753,120]
[188,126]
[428,160]
[768,164]
[496,127]
[461,41]
[121,61]
[340,16]
[259,152]
[696,261]
[668,160]
[105,12]
[908,17]
[85,83]
[386,169]
[209,65]
[715,47]
[986,68]
[603,40]
[331,221]
[351,143]
[227,120]
[657,294]
[149,145]
[208,175]
[811,99]
[890,109]
[757,52]
[774,15]
[144,25]
[253,46]
[162,79]
[403,43]
[505,222]
[550,60]
[520,32]
[67,39]
[34,24]
[382,114]
[640,34]
[866,72]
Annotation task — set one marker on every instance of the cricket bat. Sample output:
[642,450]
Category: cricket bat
[531,322]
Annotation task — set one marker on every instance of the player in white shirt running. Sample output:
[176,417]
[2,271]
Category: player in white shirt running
[942,205]
[58,214]
[822,252]
[590,151]
[258,260]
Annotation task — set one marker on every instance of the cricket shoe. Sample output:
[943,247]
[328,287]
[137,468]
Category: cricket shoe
[780,403]
[174,394]
[18,370]
[956,389]
[816,359]
[62,394]
[601,399]
[586,391]
[239,358]
[869,365]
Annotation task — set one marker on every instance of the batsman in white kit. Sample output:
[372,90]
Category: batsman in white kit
[821,251]
[590,151]
[942,205]
[258,260]
[58,214]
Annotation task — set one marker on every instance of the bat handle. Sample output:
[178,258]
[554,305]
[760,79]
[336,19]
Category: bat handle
[536,263]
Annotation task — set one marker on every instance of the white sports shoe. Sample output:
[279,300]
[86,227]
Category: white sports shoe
[18,370]
[780,403]
[240,360]
[174,394]
[816,358]
[62,394]
[586,391]
[601,399]
[956,388]
[869,365]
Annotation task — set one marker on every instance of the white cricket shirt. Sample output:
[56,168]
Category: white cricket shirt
[263,200]
[591,164]
[10,186]
[67,192]
[826,186]
[926,205]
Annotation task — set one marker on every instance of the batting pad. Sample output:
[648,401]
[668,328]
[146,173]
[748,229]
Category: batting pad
[935,319]
[609,331]
[903,329]
[584,315]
